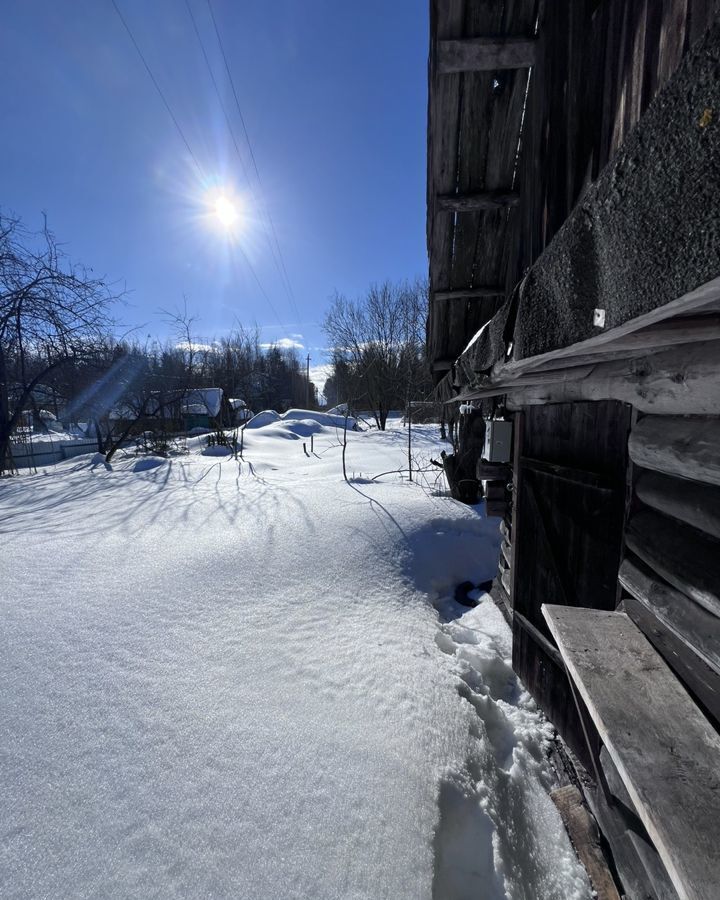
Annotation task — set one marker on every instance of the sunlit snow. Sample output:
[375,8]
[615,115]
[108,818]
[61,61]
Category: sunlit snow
[247,679]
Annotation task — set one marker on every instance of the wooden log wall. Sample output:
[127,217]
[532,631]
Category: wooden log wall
[671,572]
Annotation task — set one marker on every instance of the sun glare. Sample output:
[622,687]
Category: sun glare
[226,212]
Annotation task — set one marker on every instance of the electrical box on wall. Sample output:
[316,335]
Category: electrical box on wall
[498,441]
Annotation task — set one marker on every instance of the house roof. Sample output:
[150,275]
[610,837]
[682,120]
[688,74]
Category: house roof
[203,401]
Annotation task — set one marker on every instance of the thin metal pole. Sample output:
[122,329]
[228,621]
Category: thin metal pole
[307,383]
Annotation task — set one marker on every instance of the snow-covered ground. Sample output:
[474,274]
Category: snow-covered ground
[248,679]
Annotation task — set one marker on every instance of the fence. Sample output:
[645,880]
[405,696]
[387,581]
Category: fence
[29,455]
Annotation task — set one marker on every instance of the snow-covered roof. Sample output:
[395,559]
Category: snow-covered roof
[237,403]
[208,398]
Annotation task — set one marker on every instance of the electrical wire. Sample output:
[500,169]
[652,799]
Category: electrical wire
[277,260]
[159,90]
[252,154]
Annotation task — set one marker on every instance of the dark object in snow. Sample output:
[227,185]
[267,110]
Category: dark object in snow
[461,594]
[463,486]
[485,586]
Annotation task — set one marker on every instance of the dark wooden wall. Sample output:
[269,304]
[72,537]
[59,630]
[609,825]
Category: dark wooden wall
[671,571]
[570,478]
[598,65]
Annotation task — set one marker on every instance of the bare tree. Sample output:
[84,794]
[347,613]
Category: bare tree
[378,346]
[51,311]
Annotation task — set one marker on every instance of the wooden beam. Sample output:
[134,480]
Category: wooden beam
[485,54]
[469,293]
[665,750]
[476,202]
[585,839]
[501,599]
[446,21]
[694,626]
[567,473]
[702,300]
[681,381]
[683,556]
[697,677]
[539,638]
[675,332]
[688,448]
[654,879]
[691,502]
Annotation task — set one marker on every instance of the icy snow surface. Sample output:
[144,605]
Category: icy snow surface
[246,679]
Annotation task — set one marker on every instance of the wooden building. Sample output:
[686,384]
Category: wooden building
[574,244]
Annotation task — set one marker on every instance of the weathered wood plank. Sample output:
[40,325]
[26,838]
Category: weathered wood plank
[478,201]
[682,380]
[593,480]
[490,120]
[505,579]
[682,555]
[486,54]
[501,599]
[665,750]
[690,501]
[693,625]
[698,678]
[673,333]
[446,21]
[585,839]
[506,551]
[549,684]
[633,832]
[490,290]
[550,649]
[705,298]
[512,536]
[686,447]
[633,854]
[485,471]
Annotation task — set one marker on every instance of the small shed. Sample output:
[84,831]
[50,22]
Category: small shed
[201,407]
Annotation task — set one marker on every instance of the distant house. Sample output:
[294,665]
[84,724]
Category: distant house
[201,407]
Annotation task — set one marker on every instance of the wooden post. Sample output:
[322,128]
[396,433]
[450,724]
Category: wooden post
[409,447]
[485,54]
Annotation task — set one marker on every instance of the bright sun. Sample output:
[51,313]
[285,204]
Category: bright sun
[225,211]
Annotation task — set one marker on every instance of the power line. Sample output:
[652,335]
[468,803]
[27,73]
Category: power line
[194,158]
[284,281]
[252,154]
[158,89]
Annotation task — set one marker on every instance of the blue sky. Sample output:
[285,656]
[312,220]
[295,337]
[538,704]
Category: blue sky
[333,95]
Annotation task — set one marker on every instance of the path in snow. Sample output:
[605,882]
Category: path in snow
[232,680]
